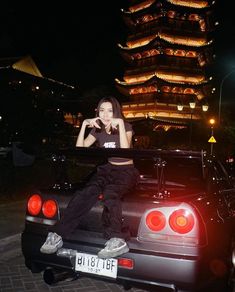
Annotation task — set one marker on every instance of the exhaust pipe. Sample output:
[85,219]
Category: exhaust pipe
[53,276]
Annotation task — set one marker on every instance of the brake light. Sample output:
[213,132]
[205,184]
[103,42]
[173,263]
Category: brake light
[156,220]
[177,223]
[49,208]
[34,205]
[126,263]
[181,221]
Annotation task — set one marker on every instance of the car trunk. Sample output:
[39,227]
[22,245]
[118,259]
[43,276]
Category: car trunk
[132,212]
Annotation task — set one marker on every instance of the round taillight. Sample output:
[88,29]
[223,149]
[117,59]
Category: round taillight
[49,208]
[181,221]
[156,220]
[34,205]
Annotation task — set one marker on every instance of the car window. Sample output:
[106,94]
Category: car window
[179,174]
[220,171]
[221,174]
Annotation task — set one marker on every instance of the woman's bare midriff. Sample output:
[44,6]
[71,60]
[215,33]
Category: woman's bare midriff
[128,162]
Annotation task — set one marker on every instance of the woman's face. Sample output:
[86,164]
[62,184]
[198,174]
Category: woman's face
[106,112]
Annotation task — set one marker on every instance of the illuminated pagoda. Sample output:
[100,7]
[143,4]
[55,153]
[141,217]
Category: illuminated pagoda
[169,54]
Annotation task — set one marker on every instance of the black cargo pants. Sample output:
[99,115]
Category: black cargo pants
[113,181]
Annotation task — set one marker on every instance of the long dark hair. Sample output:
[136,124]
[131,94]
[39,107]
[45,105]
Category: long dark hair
[117,111]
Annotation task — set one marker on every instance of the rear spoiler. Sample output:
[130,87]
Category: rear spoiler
[157,156]
[126,152]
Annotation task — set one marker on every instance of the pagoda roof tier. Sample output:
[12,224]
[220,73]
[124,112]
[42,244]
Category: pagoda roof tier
[159,47]
[139,6]
[161,41]
[193,3]
[171,34]
[142,125]
[173,74]
[156,111]
[157,77]
[140,40]
[165,97]
[166,24]
[167,64]
[156,121]
[170,62]
[162,88]
[166,13]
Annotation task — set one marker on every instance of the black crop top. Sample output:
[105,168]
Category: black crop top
[111,141]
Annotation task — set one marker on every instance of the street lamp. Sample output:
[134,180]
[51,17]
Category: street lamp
[192,105]
[180,107]
[205,107]
[212,122]
[220,93]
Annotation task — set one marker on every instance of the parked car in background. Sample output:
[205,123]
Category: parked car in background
[181,216]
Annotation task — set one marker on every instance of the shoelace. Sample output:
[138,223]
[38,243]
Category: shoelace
[52,239]
[48,240]
[113,243]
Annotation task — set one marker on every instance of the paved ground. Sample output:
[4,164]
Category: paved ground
[11,218]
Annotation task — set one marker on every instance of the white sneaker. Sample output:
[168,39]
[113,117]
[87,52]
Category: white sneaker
[113,247]
[52,243]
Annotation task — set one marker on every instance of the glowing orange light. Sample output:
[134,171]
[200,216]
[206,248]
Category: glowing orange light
[212,121]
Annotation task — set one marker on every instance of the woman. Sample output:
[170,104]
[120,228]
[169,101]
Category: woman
[113,180]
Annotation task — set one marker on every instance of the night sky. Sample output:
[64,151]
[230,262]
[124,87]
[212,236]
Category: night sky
[78,45]
[74,45]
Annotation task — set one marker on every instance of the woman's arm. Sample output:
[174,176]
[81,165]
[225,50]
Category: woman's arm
[125,137]
[89,140]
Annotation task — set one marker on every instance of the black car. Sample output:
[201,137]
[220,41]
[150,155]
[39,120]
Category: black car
[181,216]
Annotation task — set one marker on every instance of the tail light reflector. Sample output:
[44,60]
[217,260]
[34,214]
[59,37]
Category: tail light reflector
[49,208]
[177,223]
[126,263]
[156,220]
[181,221]
[34,205]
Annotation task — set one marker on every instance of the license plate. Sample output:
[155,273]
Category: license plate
[92,264]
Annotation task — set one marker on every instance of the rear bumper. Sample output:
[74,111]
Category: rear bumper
[163,270]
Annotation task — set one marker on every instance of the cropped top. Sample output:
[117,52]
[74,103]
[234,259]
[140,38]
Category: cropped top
[106,140]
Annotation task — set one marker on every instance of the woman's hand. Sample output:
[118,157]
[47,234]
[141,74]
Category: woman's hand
[92,123]
[114,123]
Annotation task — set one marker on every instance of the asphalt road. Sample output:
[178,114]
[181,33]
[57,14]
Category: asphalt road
[15,277]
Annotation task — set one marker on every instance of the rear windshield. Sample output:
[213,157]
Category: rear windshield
[176,174]
[179,176]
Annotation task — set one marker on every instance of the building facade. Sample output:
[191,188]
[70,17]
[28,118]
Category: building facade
[169,56]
